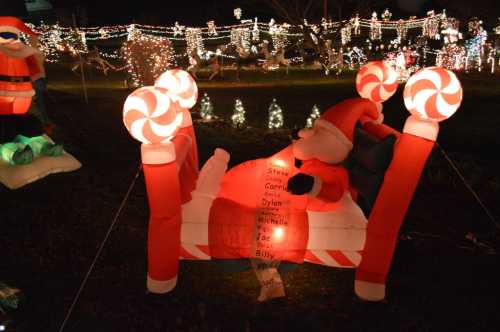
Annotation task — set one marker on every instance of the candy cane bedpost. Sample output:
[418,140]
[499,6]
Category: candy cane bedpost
[377,81]
[182,88]
[153,118]
[431,95]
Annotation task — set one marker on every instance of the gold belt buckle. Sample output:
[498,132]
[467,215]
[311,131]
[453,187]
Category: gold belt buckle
[16,79]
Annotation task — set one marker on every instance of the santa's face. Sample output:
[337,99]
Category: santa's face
[319,143]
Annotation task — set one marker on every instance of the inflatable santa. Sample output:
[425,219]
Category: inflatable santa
[298,205]
[21,136]
[23,145]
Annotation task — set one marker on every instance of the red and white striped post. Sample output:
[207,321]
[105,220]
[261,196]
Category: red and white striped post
[182,88]
[163,188]
[431,95]
[158,117]
[152,117]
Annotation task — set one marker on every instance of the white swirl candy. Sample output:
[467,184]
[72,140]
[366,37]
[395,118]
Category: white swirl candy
[433,93]
[180,85]
[150,115]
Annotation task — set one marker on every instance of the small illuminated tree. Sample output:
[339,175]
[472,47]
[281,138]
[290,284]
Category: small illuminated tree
[315,114]
[275,116]
[238,117]
[206,108]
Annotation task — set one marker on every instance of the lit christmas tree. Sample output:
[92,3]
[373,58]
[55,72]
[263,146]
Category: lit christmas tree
[275,116]
[206,108]
[238,116]
[146,57]
[312,117]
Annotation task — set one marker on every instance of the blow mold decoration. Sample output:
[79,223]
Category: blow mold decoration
[376,81]
[324,225]
[16,90]
[433,93]
[180,86]
[151,116]
[182,89]
[26,154]
[155,115]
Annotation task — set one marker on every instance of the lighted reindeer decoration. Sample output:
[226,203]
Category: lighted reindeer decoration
[243,57]
[208,60]
[298,214]
[333,60]
[273,60]
[93,57]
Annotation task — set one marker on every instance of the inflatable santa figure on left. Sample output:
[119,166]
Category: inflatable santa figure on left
[21,135]
[17,65]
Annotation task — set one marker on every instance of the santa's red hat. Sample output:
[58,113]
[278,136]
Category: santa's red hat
[14,25]
[340,120]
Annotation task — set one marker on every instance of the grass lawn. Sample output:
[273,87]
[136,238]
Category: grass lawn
[51,229]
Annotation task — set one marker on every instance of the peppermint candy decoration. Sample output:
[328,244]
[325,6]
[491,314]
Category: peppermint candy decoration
[433,93]
[376,81]
[151,116]
[180,86]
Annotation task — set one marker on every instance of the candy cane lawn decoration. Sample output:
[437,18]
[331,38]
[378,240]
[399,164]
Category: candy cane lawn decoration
[228,199]
[376,81]
[431,95]
[180,85]
[182,88]
[152,117]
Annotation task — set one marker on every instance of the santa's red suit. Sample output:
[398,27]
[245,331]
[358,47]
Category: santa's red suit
[221,219]
[334,181]
[321,149]
[17,65]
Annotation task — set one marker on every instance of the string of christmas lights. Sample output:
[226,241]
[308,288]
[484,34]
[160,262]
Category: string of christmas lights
[56,40]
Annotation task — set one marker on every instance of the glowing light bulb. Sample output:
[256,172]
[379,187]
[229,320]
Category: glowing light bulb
[279,162]
[278,234]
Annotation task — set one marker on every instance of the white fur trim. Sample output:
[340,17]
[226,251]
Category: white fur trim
[422,128]
[8,93]
[316,186]
[335,131]
[157,154]
[369,291]
[9,28]
[161,286]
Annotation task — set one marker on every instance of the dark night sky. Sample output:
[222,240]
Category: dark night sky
[198,12]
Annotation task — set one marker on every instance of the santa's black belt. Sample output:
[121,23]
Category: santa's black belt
[15,79]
